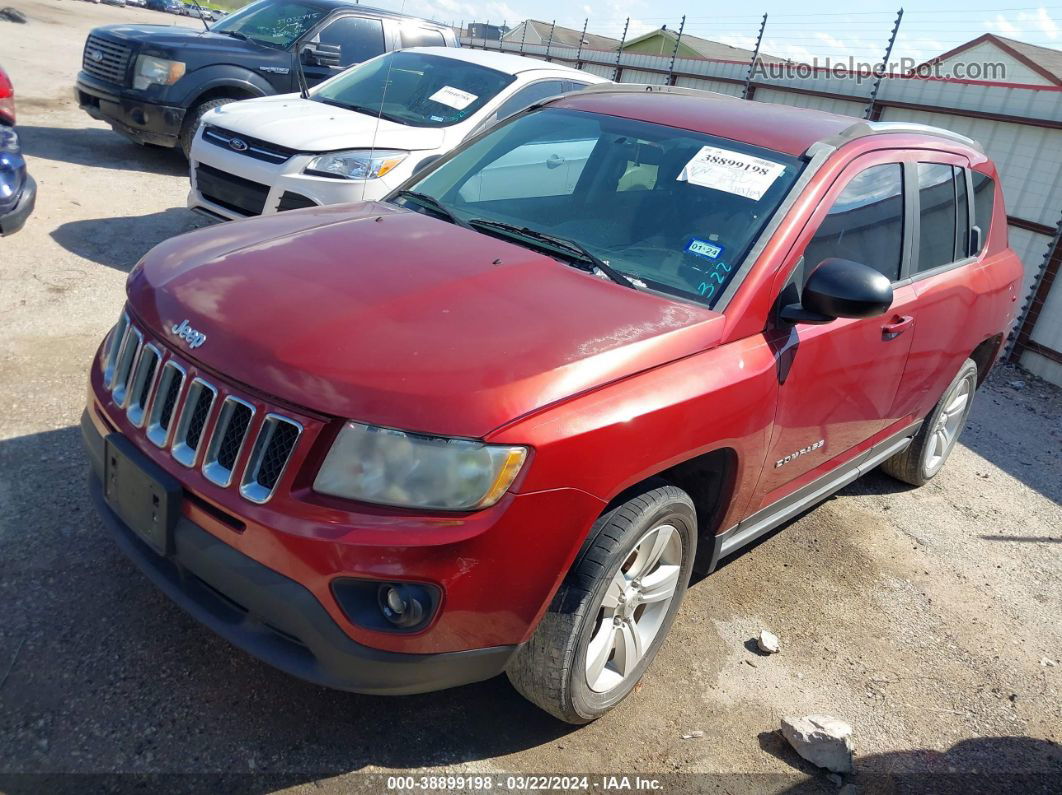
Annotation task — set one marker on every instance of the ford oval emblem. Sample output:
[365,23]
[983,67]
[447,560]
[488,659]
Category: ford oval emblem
[95,55]
[237,145]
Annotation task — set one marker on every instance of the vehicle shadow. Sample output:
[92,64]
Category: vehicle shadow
[120,242]
[1019,430]
[100,672]
[99,148]
[978,765]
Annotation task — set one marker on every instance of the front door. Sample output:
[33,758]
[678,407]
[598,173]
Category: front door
[838,380]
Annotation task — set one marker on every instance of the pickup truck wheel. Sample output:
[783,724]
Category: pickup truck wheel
[935,440]
[192,120]
[614,608]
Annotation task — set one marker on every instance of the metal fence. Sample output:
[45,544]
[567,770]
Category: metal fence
[1019,125]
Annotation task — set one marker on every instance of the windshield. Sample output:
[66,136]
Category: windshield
[414,88]
[275,24]
[674,211]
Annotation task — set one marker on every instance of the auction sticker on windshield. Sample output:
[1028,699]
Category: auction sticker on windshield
[453,97]
[731,172]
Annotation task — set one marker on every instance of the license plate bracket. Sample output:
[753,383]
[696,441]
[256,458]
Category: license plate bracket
[143,495]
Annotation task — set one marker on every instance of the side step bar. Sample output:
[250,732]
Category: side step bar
[766,519]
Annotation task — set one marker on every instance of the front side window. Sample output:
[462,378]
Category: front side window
[358,38]
[275,24]
[529,95]
[414,88]
[673,210]
[865,223]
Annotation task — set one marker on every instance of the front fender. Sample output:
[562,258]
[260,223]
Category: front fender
[242,81]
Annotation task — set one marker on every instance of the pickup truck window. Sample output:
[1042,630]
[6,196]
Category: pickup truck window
[275,24]
[674,210]
[415,89]
[865,223]
[421,37]
[358,38]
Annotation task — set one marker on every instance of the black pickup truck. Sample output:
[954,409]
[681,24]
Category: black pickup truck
[153,83]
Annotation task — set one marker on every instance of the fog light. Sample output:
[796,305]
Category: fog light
[400,605]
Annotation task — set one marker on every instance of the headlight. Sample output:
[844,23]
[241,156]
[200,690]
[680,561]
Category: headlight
[411,471]
[357,164]
[156,71]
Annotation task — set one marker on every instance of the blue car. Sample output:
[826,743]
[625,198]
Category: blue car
[18,191]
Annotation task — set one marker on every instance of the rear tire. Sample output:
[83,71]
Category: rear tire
[935,440]
[613,610]
[192,121]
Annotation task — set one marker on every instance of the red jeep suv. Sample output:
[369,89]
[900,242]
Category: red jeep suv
[494,422]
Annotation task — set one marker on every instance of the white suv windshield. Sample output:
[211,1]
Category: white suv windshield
[414,88]
[673,210]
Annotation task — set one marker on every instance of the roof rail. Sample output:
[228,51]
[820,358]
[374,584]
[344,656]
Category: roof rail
[862,129]
[649,88]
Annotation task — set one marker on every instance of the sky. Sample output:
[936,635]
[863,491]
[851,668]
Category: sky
[820,29]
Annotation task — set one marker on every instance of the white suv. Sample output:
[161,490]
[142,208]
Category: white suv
[362,133]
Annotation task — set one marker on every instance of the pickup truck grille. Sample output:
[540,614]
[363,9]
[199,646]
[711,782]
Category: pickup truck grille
[106,59]
[201,422]
[251,147]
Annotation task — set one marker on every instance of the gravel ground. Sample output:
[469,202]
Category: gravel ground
[928,619]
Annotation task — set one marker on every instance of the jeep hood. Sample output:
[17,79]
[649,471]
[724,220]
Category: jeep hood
[311,126]
[388,316]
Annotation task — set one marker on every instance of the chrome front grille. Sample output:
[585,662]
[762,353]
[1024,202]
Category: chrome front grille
[201,424]
[106,59]
[269,458]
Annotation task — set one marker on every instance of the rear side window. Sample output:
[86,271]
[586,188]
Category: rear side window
[865,223]
[938,233]
[984,197]
[420,37]
[358,38]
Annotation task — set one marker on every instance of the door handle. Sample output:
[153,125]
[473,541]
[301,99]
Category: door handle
[897,326]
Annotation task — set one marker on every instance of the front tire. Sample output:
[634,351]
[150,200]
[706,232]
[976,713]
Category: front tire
[935,440]
[611,614]
[192,121]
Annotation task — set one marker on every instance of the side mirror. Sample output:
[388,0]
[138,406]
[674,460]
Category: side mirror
[841,288]
[318,54]
[423,164]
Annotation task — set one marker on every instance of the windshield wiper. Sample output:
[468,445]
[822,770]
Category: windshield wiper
[234,33]
[360,109]
[582,252]
[433,204]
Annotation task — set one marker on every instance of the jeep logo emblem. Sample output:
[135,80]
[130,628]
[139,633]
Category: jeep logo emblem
[188,334]
[95,55]
[237,145]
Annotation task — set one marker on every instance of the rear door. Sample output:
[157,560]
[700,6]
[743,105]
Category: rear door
[943,274]
[838,381]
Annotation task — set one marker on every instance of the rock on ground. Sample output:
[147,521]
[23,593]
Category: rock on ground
[823,740]
[768,642]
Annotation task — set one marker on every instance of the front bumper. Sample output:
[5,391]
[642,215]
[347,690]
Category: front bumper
[15,218]
[273,617]
[249,187]
[128,113]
